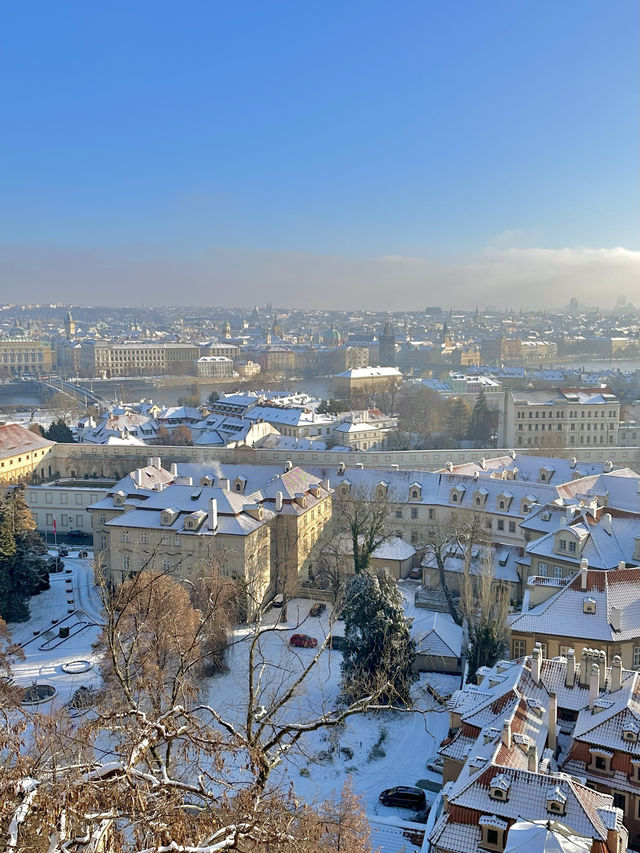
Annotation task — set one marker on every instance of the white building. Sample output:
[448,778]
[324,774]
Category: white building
[215,367]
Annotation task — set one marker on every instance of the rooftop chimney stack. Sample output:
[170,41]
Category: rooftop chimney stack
[602,663]
[621,565]
[552,736]
[615,615]
[532,758]
[506,734]
[536,660]
[584,677]
[279,501]
[213,514]
[594,682]
[584,569]
[616,673]
[606,523]
[174,469]
[571,668]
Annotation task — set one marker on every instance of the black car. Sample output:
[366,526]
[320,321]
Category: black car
[405,796]
[318,609]
[54,564]
[63,552]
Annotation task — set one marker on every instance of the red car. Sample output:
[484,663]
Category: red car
[303,641]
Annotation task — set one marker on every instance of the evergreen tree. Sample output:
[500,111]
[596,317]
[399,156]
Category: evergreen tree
[481,423]
[457,419]
[22,571]
[60,432]
[379,652]
[213,397]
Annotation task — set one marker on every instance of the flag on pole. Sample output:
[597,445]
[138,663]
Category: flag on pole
[54,524]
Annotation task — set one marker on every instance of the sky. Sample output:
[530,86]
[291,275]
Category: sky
[320,153]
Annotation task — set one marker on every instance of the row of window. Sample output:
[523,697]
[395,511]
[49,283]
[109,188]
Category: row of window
[65,520]
[594,413]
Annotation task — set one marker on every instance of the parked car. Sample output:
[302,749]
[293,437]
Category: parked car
[303,641]
[83,554]
[54,564]
[278,601]
[405,796]
[63,552]
[318,609]
[337,643]
[436,765]
[416,573]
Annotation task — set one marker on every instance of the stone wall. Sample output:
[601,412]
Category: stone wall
[113,462]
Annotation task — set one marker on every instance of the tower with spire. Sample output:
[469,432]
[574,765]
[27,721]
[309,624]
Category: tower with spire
[69,326]
[387,346]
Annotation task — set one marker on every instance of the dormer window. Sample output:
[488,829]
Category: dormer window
[556,801]
[381,489]
[119,498]
[493,832]
[345,488]
[415,492]
[457,493]
[589,605]
[601,760]
[168,516]
[499,787]
[630,732]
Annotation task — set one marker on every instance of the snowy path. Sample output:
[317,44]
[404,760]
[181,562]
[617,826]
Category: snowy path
[45,664]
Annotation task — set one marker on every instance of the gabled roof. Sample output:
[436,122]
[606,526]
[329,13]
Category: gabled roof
[16,439]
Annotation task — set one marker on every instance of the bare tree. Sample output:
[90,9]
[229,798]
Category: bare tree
[157,768]
[363,515]
[484,603]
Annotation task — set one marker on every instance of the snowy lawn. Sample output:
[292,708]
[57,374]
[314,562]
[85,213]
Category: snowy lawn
[376,751]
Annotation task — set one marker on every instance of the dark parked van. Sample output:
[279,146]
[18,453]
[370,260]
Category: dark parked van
[406,797]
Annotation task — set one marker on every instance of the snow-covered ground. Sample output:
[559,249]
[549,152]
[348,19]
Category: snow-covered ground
[406,741]
[46,653]
[325,759]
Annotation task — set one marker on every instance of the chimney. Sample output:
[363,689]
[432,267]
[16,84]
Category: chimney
[571,668]
[532,758]
[584,569]
[506,734]
[568,515]
[602,663]
[483,462]
[174,469]
[536,659]
[608,467]
[594,681]
[149,461]
[213,514]
[326,485]
[340,467]
[552,738]
[157,462]
[223,483]
[278,501]
[614,618]
[288,465]
[584,678]
[573,462]
[616,674]
[606,523]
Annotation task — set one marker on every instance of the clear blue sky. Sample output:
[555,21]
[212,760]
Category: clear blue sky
[349,128]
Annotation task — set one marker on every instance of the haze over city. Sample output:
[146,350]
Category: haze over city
[330,154]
